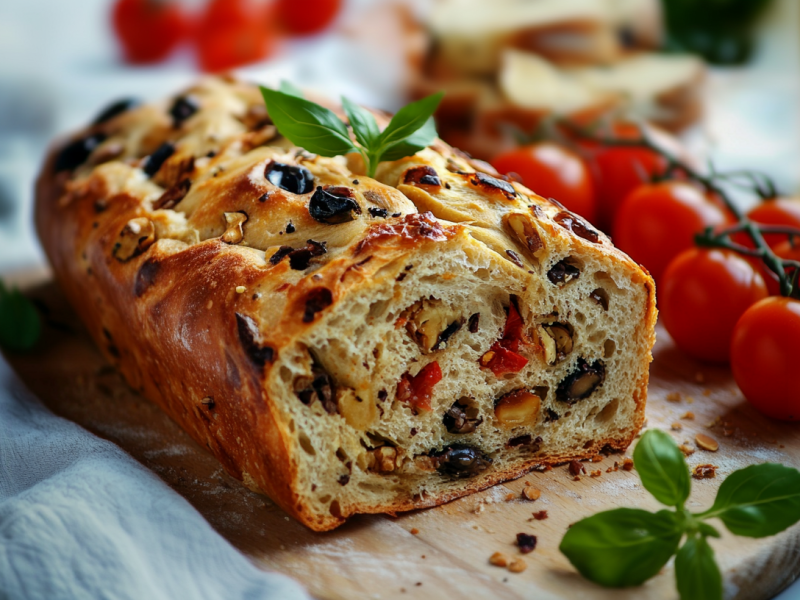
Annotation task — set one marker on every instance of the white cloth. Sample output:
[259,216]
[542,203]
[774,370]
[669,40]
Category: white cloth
[79,518]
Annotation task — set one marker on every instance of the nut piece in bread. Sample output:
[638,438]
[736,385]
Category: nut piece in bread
[343,344]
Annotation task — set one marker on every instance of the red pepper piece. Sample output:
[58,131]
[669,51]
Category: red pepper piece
[417,390]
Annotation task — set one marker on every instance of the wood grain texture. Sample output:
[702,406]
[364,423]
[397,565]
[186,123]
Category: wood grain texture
[378,556]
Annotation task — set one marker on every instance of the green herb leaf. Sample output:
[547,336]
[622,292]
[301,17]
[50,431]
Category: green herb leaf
[363,123]
[696,573]
[409,119]
[622,547]
[420,139]
[662,467]
[707,530]
[758,501]
[287,87]
[20,325]
[307,124]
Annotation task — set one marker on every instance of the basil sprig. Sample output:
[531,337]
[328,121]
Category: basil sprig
[319,130]
[20,325]
[626,546]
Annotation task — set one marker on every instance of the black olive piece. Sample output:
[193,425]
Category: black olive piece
[320,387]
[293,179]
[249,336]
[74,154]
[333,205]
[290,228]
[300,259]
[423,175]
[183,108]
[474,323]
[155,161]
[482,179]
[576,225]
[344,479]
[456,420]
[526,440]
[317,300]
[551,415]
[146,276]
[584,380]
[280,254]
[172,197]
[460,461]
[562,272]
[448,332]
[115,109]
[378,213]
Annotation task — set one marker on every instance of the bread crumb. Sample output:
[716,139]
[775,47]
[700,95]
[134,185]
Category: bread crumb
[414,531]
[706,443]
[714,423]
[706,392]
[540,516]
[597,458]
[576,468]
[676,426]
[674,397]
[686,449]
[689,415]
[596,473]
[510,496]
[498,559]
[517,565]
[729,433]
[689,400]
[531,493]
[705,471]
[240,289]
[627,464]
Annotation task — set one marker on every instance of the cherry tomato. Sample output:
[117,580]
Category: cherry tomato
[658,221]
[308,16]
[234,33]
[618,170]
[417,390]
[782,250]
[780,211]
[764,355]
[703,294]
[552,171]
[148,29]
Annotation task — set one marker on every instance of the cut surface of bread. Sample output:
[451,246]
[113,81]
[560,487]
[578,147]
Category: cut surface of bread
[343,344]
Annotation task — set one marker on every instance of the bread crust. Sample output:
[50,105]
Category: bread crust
[174,320]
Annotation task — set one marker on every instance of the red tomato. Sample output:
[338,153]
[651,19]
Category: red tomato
[503,357]
[780,211]
[703,294]
[308,16]
[764,357]
[783,250]
[618,170]
[552,171]
[417,390]
[658,221]
[148,29]
[234,33]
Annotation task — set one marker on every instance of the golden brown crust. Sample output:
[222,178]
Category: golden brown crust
[173,309]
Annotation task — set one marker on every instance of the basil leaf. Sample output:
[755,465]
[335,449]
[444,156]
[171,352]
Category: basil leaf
[622,547]
[662,468]
[759,500]
[363,123]
[20,325]
[308,125]
[409,119]
[287,87]
[696,572]
[708,530]
[420,139]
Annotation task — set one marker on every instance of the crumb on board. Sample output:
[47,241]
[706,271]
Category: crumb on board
[531,493]
[510,496]
[526,542]
[706,443]
[674,397]
[576,468]
[540,516]
[498,559]
[688,415]
[676,426]
[627,464]
[704,471]
[414,531]
[686,449]
[596,473]
[597,458]
[517,565]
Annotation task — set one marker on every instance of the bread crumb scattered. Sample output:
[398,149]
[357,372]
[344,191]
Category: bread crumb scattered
[676,426]
[498,559]
[706,443]
[517,565]
[714,423]
[705,471]
[597,458]
[531,493]
[689,415]
[414,531]
[510,496]
[674,397]
[686,449]
[596,473]
[689,400]
[540,516]
[706,392]
[627,464]
[576,468]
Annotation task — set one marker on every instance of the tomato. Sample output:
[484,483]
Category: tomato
[552,171]
[308,16]
[618,170]
[417,390]
[148,29]
[234,33]
[764,357]
[782,250]
[780,211]
[703,294]
[503,357]
[658,221]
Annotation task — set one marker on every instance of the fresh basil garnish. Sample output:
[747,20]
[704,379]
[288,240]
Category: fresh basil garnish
[319,130]
[626,546]
[20,325]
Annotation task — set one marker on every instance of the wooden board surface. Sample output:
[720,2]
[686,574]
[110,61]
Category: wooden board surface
[378,556]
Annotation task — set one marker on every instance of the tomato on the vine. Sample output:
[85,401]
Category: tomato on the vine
[309,16]
[784,250]
[618,170]
[234,33]
[764,355]
[778,211]
[703,294]
[148,30]
[658,221]
[552,171]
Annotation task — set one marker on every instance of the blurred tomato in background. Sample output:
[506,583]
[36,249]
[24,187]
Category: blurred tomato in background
[304,17]
[149,30]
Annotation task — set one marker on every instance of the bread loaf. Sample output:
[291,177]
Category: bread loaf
[343,344]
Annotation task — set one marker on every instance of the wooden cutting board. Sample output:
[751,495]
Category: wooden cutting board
[447,555]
